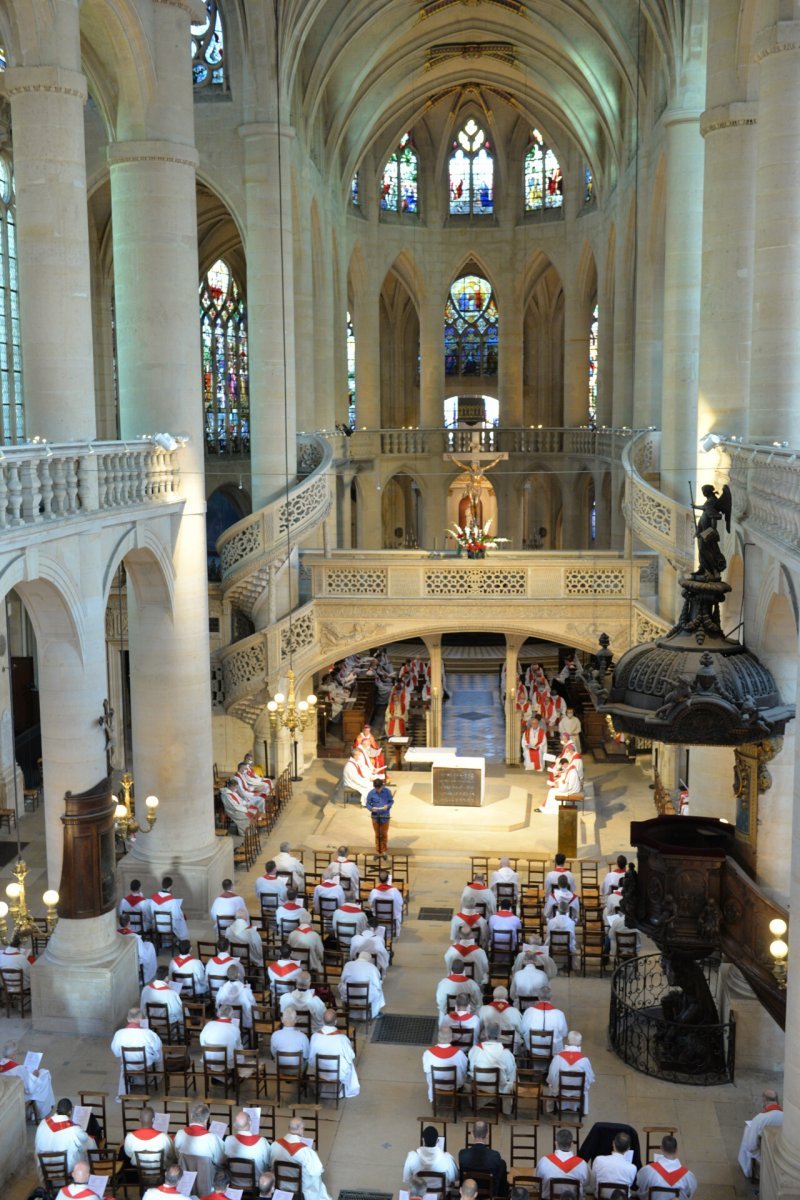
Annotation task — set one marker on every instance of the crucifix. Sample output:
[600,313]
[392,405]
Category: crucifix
[470,506]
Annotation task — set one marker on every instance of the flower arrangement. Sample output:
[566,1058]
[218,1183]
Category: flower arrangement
[475,539]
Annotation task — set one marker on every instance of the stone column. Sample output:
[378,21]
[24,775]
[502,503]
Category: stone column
[622,398]
[576,358]
[682,268]
[367,329]
[155,240]
[433,643]
[431,356]
[271,337]
[510,351]
[514,642]
[775,373]
[47,104]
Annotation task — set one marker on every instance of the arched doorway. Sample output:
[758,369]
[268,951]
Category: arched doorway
[401,510]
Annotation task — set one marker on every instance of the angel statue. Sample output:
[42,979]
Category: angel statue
[712,561]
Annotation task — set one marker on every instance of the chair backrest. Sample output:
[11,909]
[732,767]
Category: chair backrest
[205,1169]
[469,1131]
[134,1060]
[150,1167]
[653,1135]
[54,1168]
[158,1019]
[205,951]
[328,1070]
[287,925]
[384,912]
[484,1180]
[563,1187]
[96,1101]
[215,1060]
[242,1172]
[540,1046]
[289,1064]
[357,996]
[486,1080]
[14,979]
[327,907]
[223,921]
[663,1193]
[163,922]
[444,1079]
[524,1144]
[439,1125]
[463,1035]
[288,1175]
[626,943]
[572,1087]
[436,1181]
[605,1191]
[345,932]
[188,991]
[559,943]
[135,921]
[506,892]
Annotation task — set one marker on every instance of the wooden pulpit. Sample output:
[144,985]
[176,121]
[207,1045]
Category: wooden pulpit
[87,886]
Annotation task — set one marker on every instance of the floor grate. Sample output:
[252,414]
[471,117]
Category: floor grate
[404,1030]
[435,914]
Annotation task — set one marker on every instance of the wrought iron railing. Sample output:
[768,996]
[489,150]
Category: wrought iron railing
[648,1041]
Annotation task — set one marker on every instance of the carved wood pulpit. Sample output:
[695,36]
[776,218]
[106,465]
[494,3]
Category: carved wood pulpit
[87,886]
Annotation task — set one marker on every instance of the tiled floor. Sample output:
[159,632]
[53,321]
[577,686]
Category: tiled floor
[472,719]
[365,1143]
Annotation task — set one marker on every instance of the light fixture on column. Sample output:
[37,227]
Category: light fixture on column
[23,919]
[125,812]
[285,712]
[779,951]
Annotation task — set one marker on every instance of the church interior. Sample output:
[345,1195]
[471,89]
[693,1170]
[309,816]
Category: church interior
[404,391]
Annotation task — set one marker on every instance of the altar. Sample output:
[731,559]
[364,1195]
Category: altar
[459,783]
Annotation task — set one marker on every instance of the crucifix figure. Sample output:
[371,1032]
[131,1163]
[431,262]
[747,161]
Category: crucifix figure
[470,506]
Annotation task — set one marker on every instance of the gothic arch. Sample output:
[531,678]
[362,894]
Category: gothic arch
[148,565]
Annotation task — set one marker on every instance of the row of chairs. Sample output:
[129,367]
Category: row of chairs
[532,870]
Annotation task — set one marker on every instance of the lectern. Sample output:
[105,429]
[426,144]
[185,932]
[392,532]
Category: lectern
[568,825]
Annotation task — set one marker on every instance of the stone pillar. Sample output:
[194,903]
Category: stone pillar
[272,361]
[622,398]
[367,329]
[155,239]
[514,642]
[510,351]
[576,358]
[431,356]
[433,643]
[775,373]
[682,270]
[47,105]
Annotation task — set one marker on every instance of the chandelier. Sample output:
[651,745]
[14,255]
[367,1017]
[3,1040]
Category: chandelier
[125,811]
[287,713]
[23,920]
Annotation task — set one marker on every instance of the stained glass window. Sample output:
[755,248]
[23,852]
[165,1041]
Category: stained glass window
[399,183]
[226,396]
[10,349]
[472,172]
[208,63]
[351,373]
[544,183]
[470,328]
[354,189]
[2,59]
[593,367]
[588,186]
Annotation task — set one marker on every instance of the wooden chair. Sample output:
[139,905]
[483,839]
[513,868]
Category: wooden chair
[223,922]
[216,1072]
[384,915]
[287,925]
[627,945]
[527,1092]
[593,949]
[270,903]
[484,1181]
[605,1191]
[16,990]
[524,1150]
[540,1050]
[134,1067]
[436,1182]
[96,1101]
[571,1093]
[506,895]
[248,1071]
[575,1129]
[206,950]
[469,1127]
[663,1193]
[327,1078]
[131,1111]
[328,905]
[289,1074]
[357,1003]
[589,873]
[54,1169]
[486,1089]
[178,1064]
[564,1187]
[194,1018]
[158,1019]
[242,1175]
[288,1176]
[560,951]
[439,1125]
[163,931]
[502,950]
[149,1168]
[444,1090]
[652,1139]
[309,1115]
[109,1165]
[345,932]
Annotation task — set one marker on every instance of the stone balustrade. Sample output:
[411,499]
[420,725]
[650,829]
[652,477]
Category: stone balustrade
[43,482]
[655,518]
[599,443]
[765,482]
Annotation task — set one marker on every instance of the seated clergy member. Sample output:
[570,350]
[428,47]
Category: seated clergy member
[462,1020]
[146,1138]
[469,952]
[490,1053]
[479,891]
[454,984]
[79,1188]
[616,1167]
[163,901]
[286,861]
[350,913]
[503,1014]
[305,937]
[372,943]
[221,1031]
[562,922]
[254,780]
[135,1036]
[504,874]
[541,958]
[479,1156]
[543,1017]
[563,1163]
[266,1186]
[505,921]
[219,1186]
[363,970]
[332,1041]
[226,903]
[242,933]
[304,999]
[169,1188]
[667,1170]
[614,878]
[136,901]
[241,786]
[284,969]
[289,1039]
[529,980]
[270,883]
[385,890]
[292,911]
[38,1084]
[329,887]
[244,1144]
[145,951]
[771,1114]
[347,871]
[444,1054]
[560,894]
[184,963]
[58,1135]
[469,915]
[292,1148]
[552,877]
[195,1138]
[217,967]
[571,1058]
[158,991]
[237,995]
[430,1157]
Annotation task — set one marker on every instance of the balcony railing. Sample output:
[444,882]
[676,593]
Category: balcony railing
[47,482]
[765,482]
[603,443]
[659,521]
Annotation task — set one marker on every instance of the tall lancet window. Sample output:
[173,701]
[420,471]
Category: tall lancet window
[10,349]
[544,183]
[226,395]
[208,51]
[470,328]
[351,373]
[593,327]
[471,174]
[400,178]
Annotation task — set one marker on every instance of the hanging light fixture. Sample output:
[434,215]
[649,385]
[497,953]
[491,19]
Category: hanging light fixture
[125,811]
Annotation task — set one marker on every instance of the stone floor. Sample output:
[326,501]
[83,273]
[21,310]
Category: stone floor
[365,1143]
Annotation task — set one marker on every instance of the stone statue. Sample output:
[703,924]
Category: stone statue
[470,508]
[712,560]
[106,723]
[709,922]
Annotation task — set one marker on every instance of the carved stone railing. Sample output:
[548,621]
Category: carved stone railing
[596,443]
[258,542]
[44,482]
[659,521]
[765,482]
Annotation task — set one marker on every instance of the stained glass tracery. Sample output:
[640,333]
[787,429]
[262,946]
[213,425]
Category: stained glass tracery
[593,330]
[351,373]
[471,172]
[208,65]
[10,344]
[544,183]
[223,328]
[471,328]
[400,179]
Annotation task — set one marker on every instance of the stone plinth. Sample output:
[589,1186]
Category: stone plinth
[780,1177]
[13,1134]
[196,882]
[86,980]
